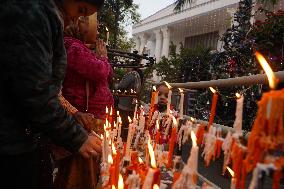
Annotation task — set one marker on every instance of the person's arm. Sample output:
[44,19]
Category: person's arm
[29,75]
[85,62]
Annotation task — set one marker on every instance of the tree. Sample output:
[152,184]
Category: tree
[180,3]
[116,15]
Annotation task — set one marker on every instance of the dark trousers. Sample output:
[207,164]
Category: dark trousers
[32,170]
[125,123]
[20,171]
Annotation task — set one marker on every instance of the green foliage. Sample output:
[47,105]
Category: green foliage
[116,15]
[179,4]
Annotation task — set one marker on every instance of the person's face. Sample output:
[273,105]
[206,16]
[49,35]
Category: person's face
[88,28]
[163,92]
[74,9]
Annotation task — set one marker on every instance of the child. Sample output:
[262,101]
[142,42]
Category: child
[159,112]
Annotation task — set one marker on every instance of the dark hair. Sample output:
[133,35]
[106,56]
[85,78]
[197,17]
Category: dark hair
[97,3]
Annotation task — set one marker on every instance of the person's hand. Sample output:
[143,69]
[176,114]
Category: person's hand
[101,49]
[91,147]
[85,119]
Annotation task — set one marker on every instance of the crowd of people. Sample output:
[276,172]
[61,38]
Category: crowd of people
[53,93]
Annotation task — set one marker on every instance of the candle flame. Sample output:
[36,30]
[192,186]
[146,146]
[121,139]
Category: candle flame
[180,90]
[129,119]
[156,186]
[113,187]
[119,120]
[113,149]
[109,159]
[105,127]
[117,113]
[192,119]
[120,182]
[119,91]
[107,134]
[157,125]
[193,138]
[212,90]
[106,29]
[154,88]
[131,90]
[106,110]
[140,160]
[106,123]
[269,72]
[168,85]
[231,172]
[152,155]
[174,121]
[110,110]
[102,137]
[238,95]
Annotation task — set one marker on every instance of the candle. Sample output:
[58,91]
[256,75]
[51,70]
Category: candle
[142,120]
[107,36]
[120,182]
[135,110]
[131,130]
[153,174]
[169,98]
[172,142]
[158,134]
[239,114]
[181,103]
[111,170]
[213,106]
[233,180]
[192,162]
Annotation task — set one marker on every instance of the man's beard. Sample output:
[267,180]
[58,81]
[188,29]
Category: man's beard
[162,107]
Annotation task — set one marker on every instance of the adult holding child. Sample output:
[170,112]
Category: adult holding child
[86,88]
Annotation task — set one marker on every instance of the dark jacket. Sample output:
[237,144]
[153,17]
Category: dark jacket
[33,63]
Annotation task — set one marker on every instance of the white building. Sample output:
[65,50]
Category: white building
[200,22]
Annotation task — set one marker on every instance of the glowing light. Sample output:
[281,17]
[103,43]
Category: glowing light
[140,160]
[157,125]
[212,90]
[231,171]
[193,138]
[238,95]
[156,186]
[109,159]
[180,90]
[152,155]
[113,149]
[129,119]
[272,80]
[154,88]
[168,85]
[120,182]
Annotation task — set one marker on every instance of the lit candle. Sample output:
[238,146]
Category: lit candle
[142,121]
[273,81]
[153,174]
[181,103]
[119,127]
[239,114]
[107,36]
[213,106]
[120,182]
[169,98]
[233,180]
[172,143]
[192,161]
